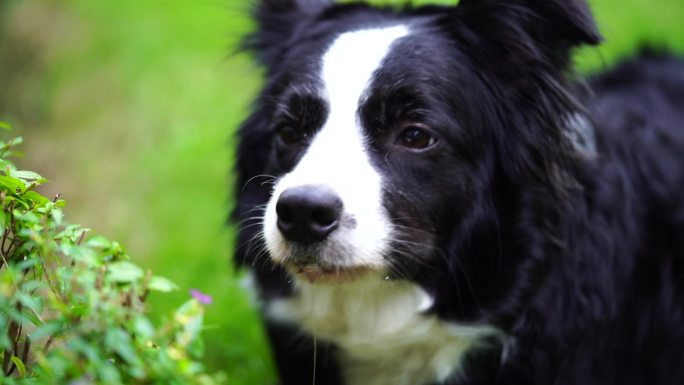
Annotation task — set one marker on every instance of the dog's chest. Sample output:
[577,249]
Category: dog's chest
[382,333]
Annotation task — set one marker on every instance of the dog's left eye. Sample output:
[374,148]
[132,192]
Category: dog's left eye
[288,135]
[416,137]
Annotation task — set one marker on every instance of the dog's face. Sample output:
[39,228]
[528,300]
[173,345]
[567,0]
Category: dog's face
[368,153]
[390,136]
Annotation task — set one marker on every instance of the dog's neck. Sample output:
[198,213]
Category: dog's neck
[383,329]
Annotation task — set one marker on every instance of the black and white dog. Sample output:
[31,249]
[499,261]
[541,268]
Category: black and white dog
[428,196]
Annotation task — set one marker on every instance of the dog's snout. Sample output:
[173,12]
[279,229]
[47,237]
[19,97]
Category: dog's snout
[308,214]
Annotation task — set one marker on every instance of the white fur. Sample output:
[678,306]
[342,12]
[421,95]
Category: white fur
[380,326]
[580,132]
[337,156]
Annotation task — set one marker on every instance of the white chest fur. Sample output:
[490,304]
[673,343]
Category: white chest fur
[380,327]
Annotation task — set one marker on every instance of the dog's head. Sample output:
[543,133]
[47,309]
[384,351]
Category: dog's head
[423,143]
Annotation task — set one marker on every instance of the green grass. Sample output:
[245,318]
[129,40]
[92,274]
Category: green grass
[138,100]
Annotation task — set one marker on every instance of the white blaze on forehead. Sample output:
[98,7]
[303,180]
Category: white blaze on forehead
[349,64]
[337,156]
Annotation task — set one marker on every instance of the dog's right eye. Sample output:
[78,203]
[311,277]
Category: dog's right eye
[288,135]
[416,137]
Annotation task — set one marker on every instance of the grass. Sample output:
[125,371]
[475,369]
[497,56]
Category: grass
[137,100]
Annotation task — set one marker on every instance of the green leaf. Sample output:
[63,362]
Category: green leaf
[99,242]
[20,366]
[190,318]
[86,256]
[27,175]
[12,185]
[162,284]
[78,310]
[15,141]
[26,217]
[71,234]
[143,328]
[33,285]
[120,342]
[82,345]
[33,317]
[5,126]
[108,373]
[33,303]
[57,215]
[53,328]
[5,342]
[36,198]
[124,272]
[28,263]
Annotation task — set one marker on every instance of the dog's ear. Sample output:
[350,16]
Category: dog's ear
[522,49]
[278,23]
[550,28]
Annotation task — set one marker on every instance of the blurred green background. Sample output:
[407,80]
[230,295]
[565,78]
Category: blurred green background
[129,107]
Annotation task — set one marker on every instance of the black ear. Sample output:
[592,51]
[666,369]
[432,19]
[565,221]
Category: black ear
[278,23]
[552,27]
[521,49]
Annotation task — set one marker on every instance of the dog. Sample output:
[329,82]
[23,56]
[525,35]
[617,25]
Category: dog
[428,195]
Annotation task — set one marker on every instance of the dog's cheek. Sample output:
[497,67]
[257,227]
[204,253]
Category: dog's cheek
[413,236]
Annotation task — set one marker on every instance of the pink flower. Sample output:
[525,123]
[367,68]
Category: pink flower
[202,298]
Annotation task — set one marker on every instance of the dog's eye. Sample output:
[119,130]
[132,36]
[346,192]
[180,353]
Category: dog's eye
[416,137]
[288,134]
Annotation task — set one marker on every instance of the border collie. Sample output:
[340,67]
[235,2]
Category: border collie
[427,195]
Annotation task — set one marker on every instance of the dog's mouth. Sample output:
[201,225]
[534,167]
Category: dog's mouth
[329,274]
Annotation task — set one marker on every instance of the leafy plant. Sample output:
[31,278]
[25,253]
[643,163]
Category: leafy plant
[73,307]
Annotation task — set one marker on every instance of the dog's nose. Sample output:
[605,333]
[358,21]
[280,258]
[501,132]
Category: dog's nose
[308,214]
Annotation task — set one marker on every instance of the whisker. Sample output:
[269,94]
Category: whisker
[393,250]
[259,219]
[261,207]
[269,179]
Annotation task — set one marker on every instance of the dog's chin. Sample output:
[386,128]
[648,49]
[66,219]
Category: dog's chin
[329,274]
[326,263]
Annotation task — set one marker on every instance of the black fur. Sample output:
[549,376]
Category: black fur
[577,255]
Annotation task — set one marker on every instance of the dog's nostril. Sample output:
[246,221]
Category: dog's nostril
[325,216]
[308,214]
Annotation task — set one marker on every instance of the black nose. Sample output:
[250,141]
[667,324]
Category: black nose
[308,214]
